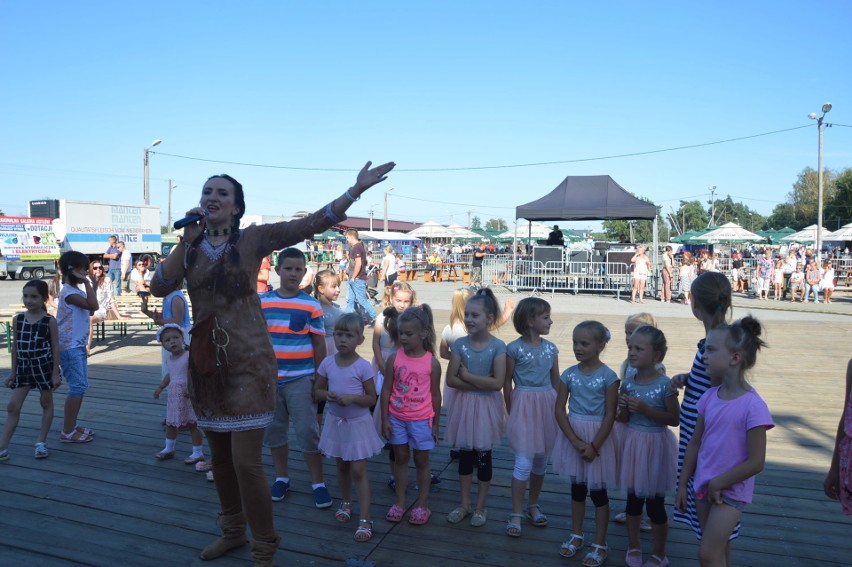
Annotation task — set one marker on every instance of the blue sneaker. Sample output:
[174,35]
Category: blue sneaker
[279,489]
[322,498]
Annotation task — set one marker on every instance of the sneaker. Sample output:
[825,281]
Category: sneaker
[279,489]
[41,451]
[4,455]
[322,498]
[434,481]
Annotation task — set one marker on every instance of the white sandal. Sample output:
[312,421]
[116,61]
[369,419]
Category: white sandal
[597,556]
[569,548]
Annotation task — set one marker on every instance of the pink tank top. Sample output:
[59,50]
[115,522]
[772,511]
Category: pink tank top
[411,394]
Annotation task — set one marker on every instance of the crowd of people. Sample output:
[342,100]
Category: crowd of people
[261,360]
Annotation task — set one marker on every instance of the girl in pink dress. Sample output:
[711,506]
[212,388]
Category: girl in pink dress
[584,453]
[532,370]
[477,371]
[179,411]
[838,482]
[347,382]
[648,461]
[728,447]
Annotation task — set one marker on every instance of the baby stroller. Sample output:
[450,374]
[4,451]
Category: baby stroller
[373,283]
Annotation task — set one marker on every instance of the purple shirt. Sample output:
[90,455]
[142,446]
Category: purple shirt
[724,444]
[346,380]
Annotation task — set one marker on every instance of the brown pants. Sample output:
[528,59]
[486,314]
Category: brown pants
[239,479]
[667,286]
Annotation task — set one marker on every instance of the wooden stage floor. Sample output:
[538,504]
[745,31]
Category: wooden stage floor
[110,503]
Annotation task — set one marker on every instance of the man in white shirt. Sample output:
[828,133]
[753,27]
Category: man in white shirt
[126,266]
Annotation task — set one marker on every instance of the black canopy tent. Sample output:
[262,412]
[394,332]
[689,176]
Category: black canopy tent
[587,197]
[590,197]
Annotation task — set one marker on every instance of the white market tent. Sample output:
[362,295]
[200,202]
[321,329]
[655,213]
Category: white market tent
[535,231]
[808,234]
[844,233]
[730,232]
[431,230]
[389,236]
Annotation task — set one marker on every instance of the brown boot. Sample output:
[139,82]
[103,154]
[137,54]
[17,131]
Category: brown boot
[263,552]
[233,536]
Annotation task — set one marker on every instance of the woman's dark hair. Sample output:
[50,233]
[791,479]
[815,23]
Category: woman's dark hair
[99,280]
[711,292]
[227,280]
[41,287]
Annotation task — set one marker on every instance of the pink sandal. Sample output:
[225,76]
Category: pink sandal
[419,516]
[395,513]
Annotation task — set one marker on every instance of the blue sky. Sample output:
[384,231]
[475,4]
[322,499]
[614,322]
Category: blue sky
[430,85]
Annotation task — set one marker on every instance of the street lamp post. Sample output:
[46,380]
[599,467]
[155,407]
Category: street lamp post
[146,192]
[386,207]
[813,116]
[169,215]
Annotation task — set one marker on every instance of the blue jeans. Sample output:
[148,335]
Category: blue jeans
[808,289]
[74,364]
[115,278]
[358,292]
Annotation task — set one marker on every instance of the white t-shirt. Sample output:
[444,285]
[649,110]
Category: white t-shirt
[72,321]
[126,260]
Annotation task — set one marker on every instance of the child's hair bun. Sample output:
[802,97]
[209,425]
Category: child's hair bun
[751,325]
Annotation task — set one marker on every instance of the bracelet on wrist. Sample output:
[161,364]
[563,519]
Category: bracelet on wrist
[349,196]
[595,449]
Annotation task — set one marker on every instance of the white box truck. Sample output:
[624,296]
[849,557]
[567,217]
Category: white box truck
[86,226]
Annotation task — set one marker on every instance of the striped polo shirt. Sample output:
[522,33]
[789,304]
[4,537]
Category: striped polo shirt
[291,321]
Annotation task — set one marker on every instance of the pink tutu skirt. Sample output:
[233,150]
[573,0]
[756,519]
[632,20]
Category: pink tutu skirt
[648,462]
[350,439]
[447,397]
[476,420]
[600,473]
[531,428]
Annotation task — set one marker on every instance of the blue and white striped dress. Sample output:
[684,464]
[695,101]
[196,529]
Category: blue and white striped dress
[697,383]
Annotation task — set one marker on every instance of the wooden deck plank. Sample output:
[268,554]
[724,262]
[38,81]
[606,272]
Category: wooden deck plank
[110,502]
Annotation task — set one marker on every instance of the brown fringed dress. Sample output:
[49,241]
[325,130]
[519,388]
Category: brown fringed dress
[232,381]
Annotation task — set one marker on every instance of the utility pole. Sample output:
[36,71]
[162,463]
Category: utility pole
[712,206]
[169,214]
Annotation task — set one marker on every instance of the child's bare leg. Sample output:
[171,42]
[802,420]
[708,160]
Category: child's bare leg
[633,539]
[46,414]
[660,533]
[536,484]
[578,512]
[601,523]
[195,435]
[718,525]
[519,487]
[344,479]
[400,469]
[13,414]
[465,484]
[72,410]
[482,495]
[421,464]
[362,486]
[171,432]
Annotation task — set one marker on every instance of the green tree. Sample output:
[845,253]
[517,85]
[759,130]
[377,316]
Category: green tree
[496,224]
[691,215]
[475,224]
[838,210]
[643,230]
[784,214]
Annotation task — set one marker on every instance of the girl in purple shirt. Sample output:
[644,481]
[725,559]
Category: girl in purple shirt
[728,447]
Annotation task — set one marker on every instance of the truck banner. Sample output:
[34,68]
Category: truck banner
[28,238]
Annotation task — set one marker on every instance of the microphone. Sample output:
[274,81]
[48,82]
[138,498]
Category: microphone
[189,219]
